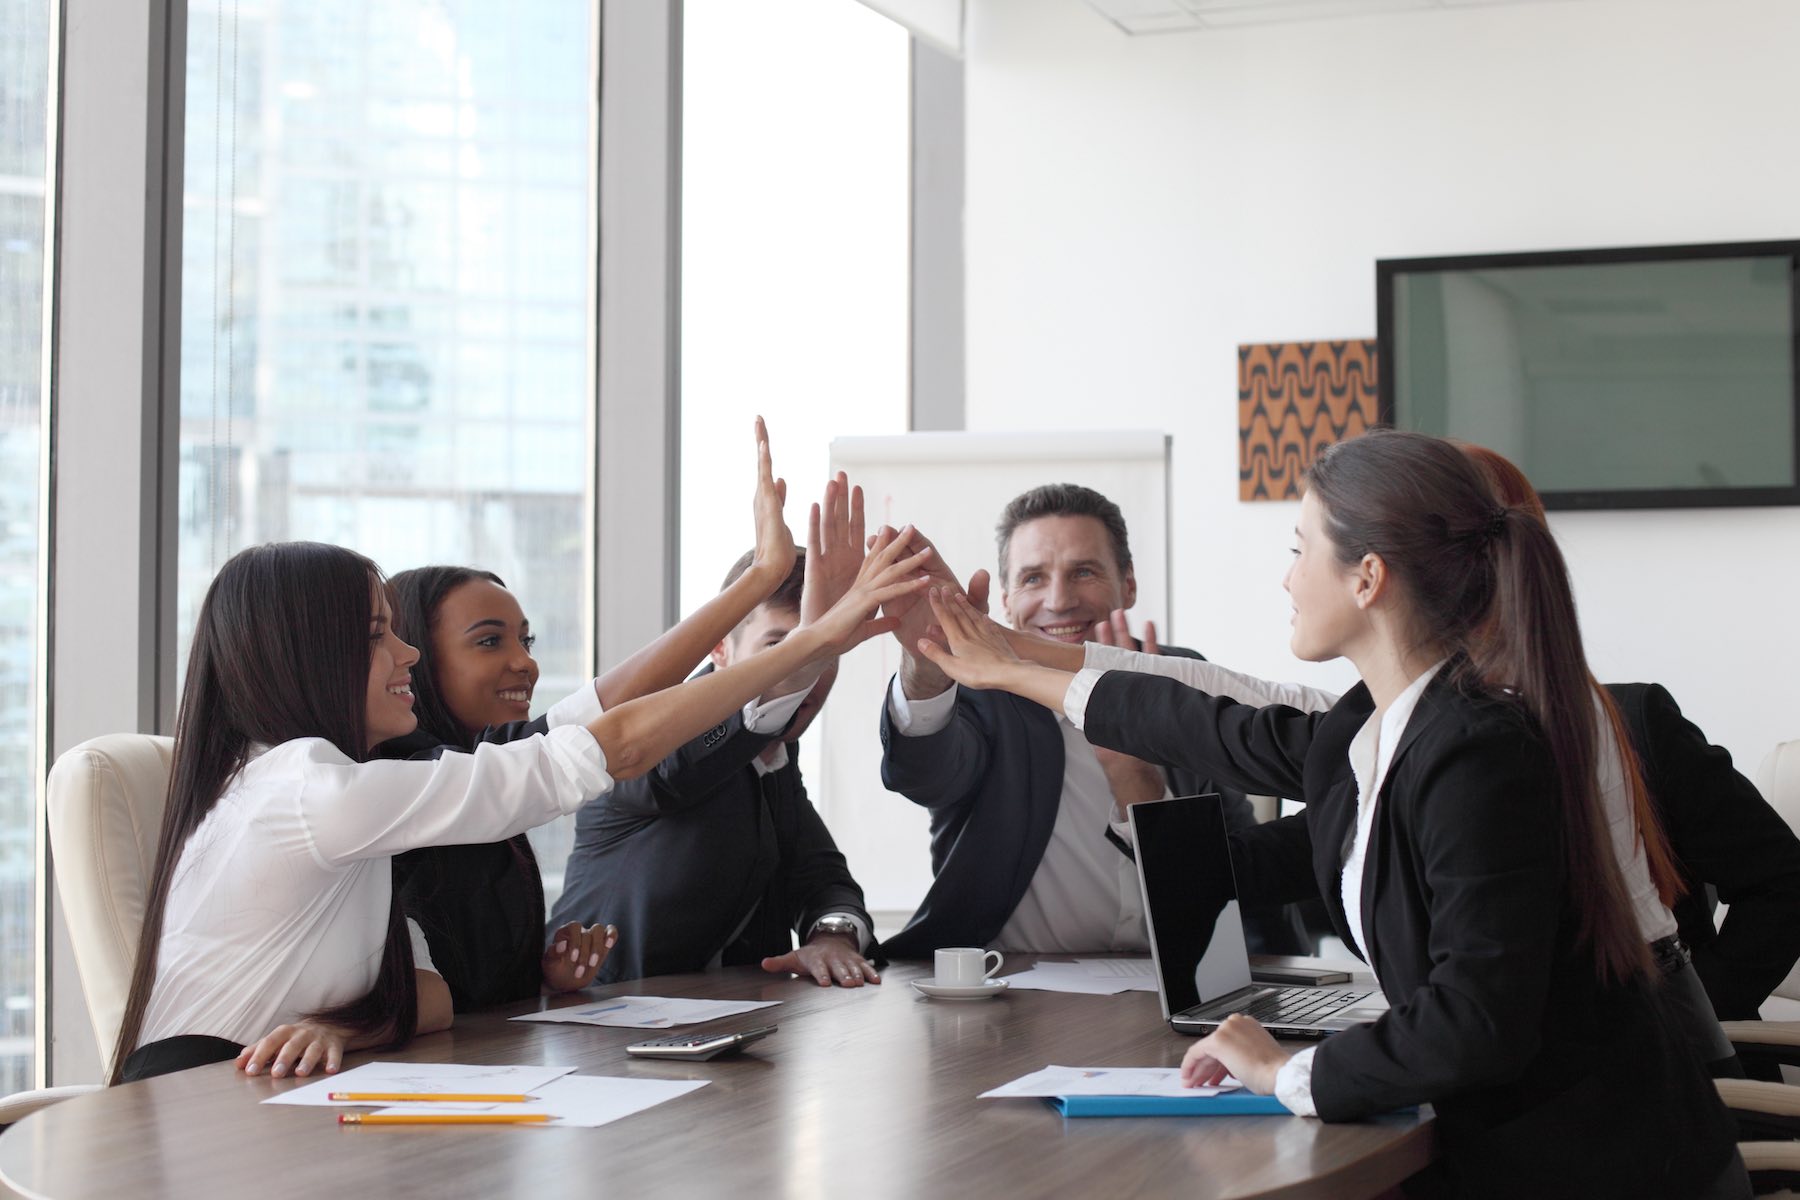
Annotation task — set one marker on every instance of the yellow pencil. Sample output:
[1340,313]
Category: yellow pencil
[422,1098]
[442,1118]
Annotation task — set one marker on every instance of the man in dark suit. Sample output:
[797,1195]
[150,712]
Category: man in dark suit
[1026,816]
[717,857]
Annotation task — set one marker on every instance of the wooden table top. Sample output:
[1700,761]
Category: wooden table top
[862,1093]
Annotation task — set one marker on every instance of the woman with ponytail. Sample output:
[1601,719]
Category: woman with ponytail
[271,903]
[1454,829]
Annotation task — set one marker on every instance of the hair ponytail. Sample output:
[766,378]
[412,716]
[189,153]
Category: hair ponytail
[1531,646]
[1510,487]
[1486,580]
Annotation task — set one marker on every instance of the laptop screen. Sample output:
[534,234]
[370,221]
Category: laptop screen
[1190,899]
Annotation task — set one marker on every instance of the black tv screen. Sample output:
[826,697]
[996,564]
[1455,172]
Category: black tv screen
[1628,378]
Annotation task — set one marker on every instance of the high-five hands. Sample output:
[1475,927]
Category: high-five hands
[774,543]
[834,548]
[975,651]
[1116,631]
[891,570]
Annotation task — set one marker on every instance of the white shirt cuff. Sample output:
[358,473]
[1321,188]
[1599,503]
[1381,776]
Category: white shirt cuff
[1075,700]
[864,938]
[918,718]
[1293,1084]
[421,950]
[579,707]
[577,754]
[773,716]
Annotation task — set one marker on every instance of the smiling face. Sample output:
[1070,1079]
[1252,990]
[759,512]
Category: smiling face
[1062,578]
[390,699]
[481,654]
[1327,616]
[766,626]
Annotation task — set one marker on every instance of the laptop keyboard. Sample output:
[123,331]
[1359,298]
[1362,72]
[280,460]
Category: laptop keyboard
[1301,1005]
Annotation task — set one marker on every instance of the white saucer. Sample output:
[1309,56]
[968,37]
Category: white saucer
[980,991]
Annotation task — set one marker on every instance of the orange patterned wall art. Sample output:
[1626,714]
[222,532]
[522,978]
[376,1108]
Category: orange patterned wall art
[1294,399]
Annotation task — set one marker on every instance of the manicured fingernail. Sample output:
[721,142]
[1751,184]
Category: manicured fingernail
[594,959]
[575,956]
[561,946]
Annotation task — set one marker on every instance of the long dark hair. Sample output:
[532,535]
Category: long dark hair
[281,651]
[1487,582]
[416,595]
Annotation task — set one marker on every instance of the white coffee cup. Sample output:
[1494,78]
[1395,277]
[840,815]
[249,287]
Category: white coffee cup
[966,966]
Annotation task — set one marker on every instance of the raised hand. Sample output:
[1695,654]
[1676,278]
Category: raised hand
[891,570]
[1116,631]
[774,543]
[834,548]
[975,651]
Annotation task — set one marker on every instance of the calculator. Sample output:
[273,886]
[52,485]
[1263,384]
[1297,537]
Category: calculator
[699,1045]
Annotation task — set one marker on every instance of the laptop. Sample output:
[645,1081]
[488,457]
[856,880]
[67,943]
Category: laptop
[1197,933]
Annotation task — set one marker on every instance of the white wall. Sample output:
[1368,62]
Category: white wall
[1137,207]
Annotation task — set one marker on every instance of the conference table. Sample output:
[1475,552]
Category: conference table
[868,1092]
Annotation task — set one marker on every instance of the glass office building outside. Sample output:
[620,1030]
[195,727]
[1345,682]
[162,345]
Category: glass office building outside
[24,91]
[386,267]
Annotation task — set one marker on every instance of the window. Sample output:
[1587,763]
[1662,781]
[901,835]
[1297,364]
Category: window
[24,93]
[385,297]
[794,255]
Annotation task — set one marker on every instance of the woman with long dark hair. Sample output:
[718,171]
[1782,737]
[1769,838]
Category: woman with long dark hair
[271,902]
[1453,828]
[481,906]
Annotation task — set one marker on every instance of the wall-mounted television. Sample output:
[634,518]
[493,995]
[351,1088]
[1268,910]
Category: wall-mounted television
[1652,377]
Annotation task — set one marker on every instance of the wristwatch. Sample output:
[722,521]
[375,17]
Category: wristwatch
[840,925]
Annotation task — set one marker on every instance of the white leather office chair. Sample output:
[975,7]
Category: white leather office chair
[106,800]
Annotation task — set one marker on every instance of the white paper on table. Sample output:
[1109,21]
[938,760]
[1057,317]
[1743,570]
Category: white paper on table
[577,1100]
[1138,974]
[1105,1081]
[423,1079]
[1046,977]
[648,1012]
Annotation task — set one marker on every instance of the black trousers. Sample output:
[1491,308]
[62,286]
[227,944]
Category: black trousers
[176,1054]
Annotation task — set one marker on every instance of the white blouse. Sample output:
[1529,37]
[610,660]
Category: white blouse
[279,904]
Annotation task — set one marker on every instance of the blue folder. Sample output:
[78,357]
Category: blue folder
[1228,1105]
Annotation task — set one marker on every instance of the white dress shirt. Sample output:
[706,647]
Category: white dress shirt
[1084,895]
[1371,753]
[279,904]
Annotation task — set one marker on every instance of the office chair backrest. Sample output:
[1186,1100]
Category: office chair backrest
[1778,779]
[105,800]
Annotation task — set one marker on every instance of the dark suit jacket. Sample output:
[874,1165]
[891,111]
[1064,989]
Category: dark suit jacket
[1725,835]
[677,858]
[992,779]
[480,906]
[1545,1082]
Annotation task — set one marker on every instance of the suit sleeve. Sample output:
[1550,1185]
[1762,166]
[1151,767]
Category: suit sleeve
[1481,818]
[1273,862]
[1258,750]
[937,770]
[695,772]
[818,877]
[1725,833]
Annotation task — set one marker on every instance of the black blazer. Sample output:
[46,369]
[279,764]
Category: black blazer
[679,857]
[480,906]
[992,779]
[1544,1081]
[1725,835]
